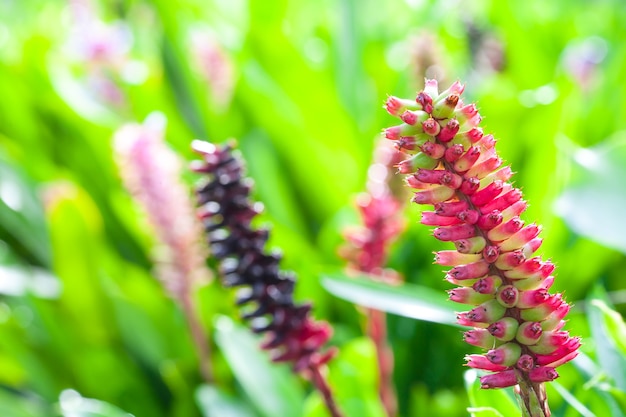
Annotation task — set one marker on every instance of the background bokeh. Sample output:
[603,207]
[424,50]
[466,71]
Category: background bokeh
[86,329]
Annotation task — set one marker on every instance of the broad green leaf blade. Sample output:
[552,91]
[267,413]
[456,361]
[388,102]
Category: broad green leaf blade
[408,300]
[72,404]
[612,361]
[592,204]
[272,388]
[213,402]
[489,403]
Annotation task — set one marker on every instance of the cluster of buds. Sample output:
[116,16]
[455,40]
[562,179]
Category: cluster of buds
[227,212]
[379,212]
[453,166]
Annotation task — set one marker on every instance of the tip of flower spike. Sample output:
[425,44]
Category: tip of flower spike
[203,147]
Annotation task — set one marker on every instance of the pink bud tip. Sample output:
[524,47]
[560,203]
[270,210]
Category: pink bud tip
[425,101]
[454,152]
[491,253]
[470,185]
[434,150]
[448,132]
[431,127]
[409,117]
[525,362]
[474,134]
[394,105]
[393,132]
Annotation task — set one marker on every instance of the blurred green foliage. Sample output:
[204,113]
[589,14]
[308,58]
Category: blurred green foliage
[84,326]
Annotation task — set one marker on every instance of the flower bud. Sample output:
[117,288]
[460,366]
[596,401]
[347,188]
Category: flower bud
[439,176]
[470,245]
[481,362]
[503,202]
[468,216]
[505,230]
[465,162]
[413,117]
[482,169]
[525,362]
[431,90]
[450,208]
[491,253]
[444,109]
[454,258]
[503,174]
[469,271]
[467,295]
[509,260]
[507,295]
[433,150]
[490,220]
[429,218]
[532,298]
[543,310]
[550,341]
[529,333]
[419,160]
[543,374]
[454,152]
[487,285]
[470,185]
[396,106]
[480,337]
[487,312]
[449,131]
[487,194]
[502,379]
[474,135]
[504,329]
[505,355]
[433,195]
[457,232]
[431,127]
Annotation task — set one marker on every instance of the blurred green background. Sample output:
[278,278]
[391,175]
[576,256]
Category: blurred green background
[85,328]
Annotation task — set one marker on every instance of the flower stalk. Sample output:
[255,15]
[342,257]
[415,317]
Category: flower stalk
[265,293]
[367,252]
[456,169]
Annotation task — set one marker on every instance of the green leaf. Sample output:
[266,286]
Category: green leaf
[614,323]
[605,331]
[22,216]
[72,404]
[213,402]
[573,401]
[272,388]
[593,202]
[22,405]
[408,300]
[482,400]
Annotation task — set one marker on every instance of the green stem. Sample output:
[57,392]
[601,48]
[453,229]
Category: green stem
[531,397]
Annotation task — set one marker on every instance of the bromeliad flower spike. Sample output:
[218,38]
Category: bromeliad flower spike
[226,210]
[454,166]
